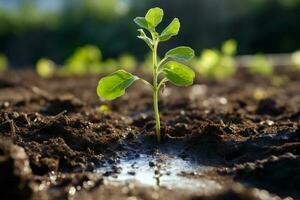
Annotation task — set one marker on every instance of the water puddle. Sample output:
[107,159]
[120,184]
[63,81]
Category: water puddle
[161,171]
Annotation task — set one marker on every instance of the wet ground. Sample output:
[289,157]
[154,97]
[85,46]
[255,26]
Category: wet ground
[160,170]
[234,139]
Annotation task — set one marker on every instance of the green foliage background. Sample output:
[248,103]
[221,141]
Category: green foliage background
[30,29]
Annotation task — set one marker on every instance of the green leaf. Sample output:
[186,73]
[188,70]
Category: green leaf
[154,17]
[178,73]
[144,37]
[181,53]
[171,30]
[141,21]
[114,85]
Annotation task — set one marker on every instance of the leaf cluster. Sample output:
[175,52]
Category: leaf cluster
[169,67]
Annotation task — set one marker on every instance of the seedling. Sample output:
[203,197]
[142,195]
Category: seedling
[115,84]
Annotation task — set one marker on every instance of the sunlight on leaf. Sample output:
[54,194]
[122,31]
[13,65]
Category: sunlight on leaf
[181,53]
[171,30]
[154,16]
[114,85]
[178,74]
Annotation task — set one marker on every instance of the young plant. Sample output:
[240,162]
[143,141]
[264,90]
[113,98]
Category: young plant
[114,85]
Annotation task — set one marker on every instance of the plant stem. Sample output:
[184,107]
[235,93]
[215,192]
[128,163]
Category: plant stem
[155,90]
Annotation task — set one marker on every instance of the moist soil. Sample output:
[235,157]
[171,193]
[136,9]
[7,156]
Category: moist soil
[232,139]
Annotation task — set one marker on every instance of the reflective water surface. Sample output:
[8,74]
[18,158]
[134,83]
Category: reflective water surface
[161,171]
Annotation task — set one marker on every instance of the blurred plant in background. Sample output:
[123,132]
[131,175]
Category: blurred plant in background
[146,66]
[106,9]
[12,18]
[215,64]
[296,60]
[54,29]
[261,65]
[127,62]
[109,65]
[85,60]
[264,67]
[45,68]
[103,108]
[3,63]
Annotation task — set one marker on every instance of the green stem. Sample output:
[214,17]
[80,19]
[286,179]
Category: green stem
[155,89]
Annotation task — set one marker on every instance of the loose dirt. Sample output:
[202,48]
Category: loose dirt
[233,139]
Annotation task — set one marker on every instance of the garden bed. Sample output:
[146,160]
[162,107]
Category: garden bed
[233,139]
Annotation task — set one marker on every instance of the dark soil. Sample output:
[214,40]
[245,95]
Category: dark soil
[53,137]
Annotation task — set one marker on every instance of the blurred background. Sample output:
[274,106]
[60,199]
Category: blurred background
[33,29]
